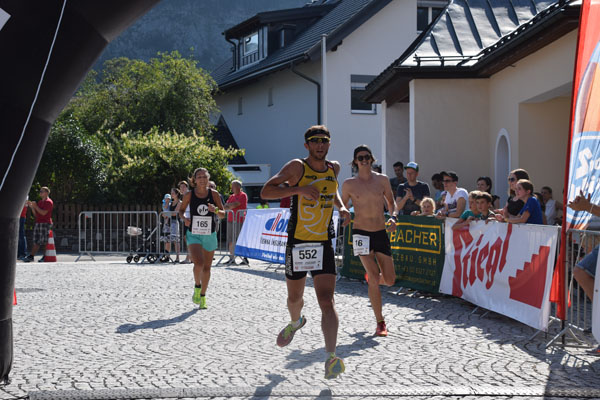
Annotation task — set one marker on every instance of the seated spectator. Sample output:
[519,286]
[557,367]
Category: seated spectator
[438,196]
[513,205]
[551,207]
[484,184]
[469,215]
[427,208]
[484,205]
[411,192]
[531,213]
[455,200]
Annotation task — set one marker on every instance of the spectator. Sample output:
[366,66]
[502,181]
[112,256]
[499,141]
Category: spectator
[22,249]
[584,271]
[427,208]
[455,200]
[531,213]
[551,207]
[484,205]
[540,200]
[469,215]
[184,187]
[377,168]
[484,184]
[285,202]
[174,223]
[263,204]
[399,178]
[42,210]
[438,184]
[166,225]
[513,205]
[236,203]
[411,192]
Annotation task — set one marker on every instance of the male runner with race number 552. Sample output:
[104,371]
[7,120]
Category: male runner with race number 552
[313,187]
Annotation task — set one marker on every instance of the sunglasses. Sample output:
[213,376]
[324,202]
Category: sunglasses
[512,179]
[447,180]
[366,157]
[318,139]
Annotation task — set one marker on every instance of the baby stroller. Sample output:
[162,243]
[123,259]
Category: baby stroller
[148,247]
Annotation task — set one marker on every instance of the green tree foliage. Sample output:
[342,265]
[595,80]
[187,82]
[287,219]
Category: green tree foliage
[168,92]
[148,166]
[72,164]
[132,132]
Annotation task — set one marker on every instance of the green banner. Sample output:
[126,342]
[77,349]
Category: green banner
[417,250]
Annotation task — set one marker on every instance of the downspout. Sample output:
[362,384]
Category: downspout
[324,75]
[235,53]
[300,74]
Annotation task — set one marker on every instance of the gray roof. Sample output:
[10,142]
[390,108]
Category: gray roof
[475,38]
[340,21]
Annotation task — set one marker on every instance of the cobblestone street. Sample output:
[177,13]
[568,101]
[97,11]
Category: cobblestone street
[117,330]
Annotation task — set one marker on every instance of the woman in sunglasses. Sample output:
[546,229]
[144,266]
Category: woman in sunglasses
[513,205]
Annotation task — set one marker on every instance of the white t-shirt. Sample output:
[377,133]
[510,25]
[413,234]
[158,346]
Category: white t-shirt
[452,200]
[550,212]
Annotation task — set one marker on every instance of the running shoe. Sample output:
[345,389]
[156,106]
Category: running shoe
[334,366]
[381,329]
[196,298]
[203,303]
[287,334]
[28,258]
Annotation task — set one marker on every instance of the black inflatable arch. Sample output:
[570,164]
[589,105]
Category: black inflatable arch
[46,48]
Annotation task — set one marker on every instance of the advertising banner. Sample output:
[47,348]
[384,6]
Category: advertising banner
[506,268]
[417,250]
[264,234]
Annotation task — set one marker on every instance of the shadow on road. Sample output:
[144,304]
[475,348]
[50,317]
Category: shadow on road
[159,323]
[265,390]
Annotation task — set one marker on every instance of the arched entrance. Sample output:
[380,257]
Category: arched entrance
[502,165]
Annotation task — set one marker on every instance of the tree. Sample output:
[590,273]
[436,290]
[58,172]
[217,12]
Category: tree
[149,165]
[71,165]
[168,92]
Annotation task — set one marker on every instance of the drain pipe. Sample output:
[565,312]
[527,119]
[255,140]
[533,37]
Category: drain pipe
[234,52]
[300,74]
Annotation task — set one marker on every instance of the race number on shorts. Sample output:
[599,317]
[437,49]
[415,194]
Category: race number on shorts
[360,245]
[201,225]
[307,257]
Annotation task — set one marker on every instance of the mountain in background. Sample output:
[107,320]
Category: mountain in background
[190,27]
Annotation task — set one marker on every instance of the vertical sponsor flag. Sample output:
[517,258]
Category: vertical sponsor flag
[583,152]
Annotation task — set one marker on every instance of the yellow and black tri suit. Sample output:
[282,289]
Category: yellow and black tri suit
[311,221]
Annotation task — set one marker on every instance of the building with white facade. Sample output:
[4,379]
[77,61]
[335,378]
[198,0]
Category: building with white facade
[294,68]
[484,90]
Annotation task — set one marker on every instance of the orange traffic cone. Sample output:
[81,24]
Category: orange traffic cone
[50,253]
[14,297]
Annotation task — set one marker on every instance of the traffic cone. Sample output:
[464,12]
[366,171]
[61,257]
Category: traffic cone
[50,253]
[14,297]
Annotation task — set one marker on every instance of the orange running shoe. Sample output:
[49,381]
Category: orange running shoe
[381,329]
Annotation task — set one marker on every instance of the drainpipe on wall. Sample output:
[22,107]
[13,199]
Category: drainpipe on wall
[300,74]
[235,51]
[324,76]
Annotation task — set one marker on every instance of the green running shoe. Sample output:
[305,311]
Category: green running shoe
[334,366]
[196,298]
[287,334]
[203,303]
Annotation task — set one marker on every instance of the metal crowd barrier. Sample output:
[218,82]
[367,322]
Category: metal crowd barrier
[118,232]
[578,321]
[225,238]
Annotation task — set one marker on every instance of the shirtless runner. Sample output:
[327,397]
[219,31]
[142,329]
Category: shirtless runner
[368,190]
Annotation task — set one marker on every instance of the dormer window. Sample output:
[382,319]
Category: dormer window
[251,43]
[427,11]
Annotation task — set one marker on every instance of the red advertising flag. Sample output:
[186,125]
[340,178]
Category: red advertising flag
[583,151]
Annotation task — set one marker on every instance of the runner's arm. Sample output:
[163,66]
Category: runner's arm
[217,199]
[337,200]
[291,173]
[183,205]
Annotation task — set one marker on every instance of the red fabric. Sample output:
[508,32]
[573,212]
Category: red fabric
[47,204]
[243,199]
[286,202]
[24,212]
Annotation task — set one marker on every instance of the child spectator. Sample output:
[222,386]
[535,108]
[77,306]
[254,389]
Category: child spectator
[531,213]
[43,222]
[484,205]
[471,214]
[427,208]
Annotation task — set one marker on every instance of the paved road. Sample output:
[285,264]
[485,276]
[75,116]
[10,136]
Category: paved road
[115,330]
